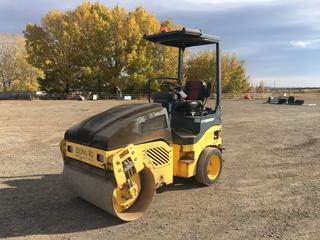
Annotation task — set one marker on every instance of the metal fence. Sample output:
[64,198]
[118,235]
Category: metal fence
[17,96]
[35,95]
[115,96]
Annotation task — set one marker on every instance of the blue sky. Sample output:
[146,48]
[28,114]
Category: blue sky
[279,40]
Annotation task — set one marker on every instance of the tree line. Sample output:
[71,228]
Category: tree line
[93,49]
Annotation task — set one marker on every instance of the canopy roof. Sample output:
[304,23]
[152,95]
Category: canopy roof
[183,38]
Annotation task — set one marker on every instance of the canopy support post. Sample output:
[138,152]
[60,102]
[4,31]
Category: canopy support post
[180,67]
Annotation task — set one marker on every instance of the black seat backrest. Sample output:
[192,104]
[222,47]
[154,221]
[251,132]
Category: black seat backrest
[196,90]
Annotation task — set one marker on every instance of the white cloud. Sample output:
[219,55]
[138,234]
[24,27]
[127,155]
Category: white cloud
[310,43]
[300,44]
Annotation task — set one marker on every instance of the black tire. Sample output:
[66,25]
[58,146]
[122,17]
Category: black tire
[203,163]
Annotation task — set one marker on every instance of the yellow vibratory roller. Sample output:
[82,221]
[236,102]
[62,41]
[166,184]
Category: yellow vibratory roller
[118,158]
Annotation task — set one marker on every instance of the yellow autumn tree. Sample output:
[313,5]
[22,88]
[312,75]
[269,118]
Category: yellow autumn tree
[201,65]
[16,73]
[95,48]
[260,88]
[148,60]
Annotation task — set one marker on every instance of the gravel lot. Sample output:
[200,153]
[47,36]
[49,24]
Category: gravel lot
[269,188]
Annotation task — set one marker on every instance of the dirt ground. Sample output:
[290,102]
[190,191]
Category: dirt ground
[269,188]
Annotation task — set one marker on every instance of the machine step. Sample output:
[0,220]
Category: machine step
[186,160]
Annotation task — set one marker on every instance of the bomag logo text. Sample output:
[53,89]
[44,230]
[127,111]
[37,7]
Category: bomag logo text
[84,152]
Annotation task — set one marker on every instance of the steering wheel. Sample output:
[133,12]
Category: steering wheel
[170,87]
[165,86]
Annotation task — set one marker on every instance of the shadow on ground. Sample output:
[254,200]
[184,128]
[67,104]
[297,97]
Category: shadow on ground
[43,205]
[180,184]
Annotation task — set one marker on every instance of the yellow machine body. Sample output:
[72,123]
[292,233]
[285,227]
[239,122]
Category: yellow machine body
[143,155]
[165,161]
[185,157]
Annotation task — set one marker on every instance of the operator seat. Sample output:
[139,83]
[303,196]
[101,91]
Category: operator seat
[197,92]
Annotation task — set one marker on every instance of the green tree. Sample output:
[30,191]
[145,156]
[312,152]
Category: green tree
[201,66]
